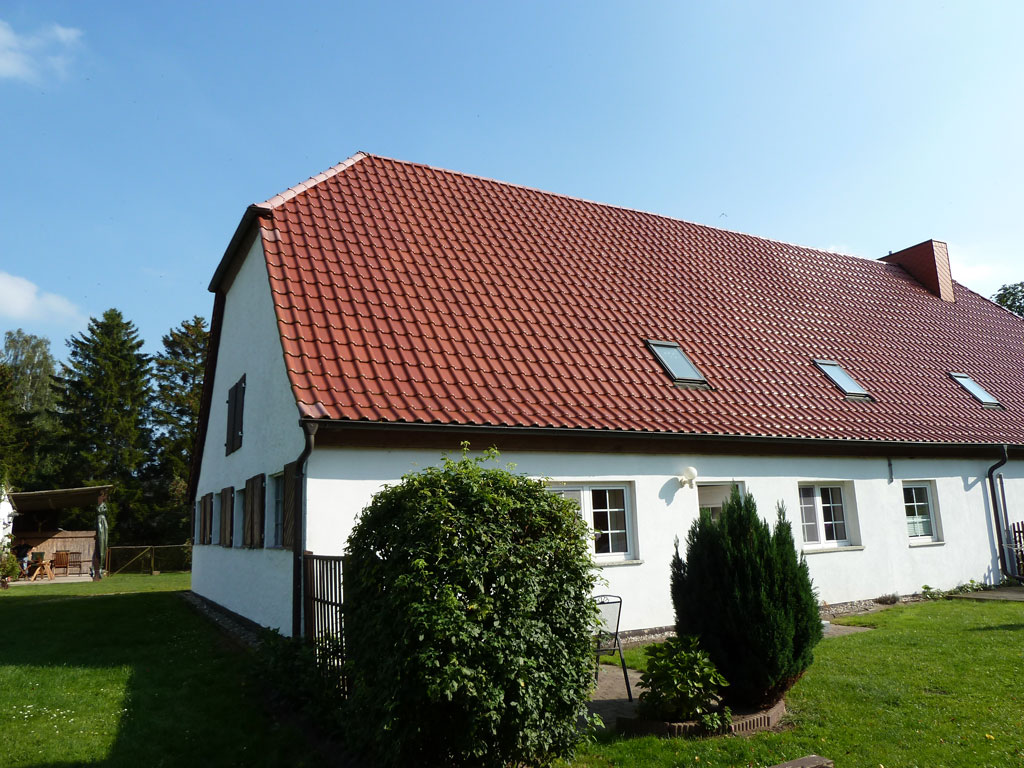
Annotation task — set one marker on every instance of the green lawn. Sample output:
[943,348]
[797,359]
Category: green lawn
[112,585]
[130,679]
[936,685]
[137,678]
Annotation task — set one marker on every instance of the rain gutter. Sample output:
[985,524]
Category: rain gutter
[309,431]
[998,513]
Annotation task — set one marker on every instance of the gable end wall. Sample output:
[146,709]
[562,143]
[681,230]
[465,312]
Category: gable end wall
[253,582]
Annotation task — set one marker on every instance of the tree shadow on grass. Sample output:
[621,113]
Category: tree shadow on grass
[1019,626]
[152,682]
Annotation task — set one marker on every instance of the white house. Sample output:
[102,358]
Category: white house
[372,318]
[6,514]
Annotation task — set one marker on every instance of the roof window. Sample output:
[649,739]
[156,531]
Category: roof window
[677,364]
[843,380]
[975,389]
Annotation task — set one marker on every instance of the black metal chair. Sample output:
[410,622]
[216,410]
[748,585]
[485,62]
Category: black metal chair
[610,608]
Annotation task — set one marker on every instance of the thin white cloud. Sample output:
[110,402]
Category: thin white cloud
[31,57]
[21,301]
[841,248]
[984,268]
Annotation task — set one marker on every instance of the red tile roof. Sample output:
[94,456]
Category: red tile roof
[406,293]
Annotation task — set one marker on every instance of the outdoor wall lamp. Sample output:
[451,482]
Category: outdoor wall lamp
[689,475]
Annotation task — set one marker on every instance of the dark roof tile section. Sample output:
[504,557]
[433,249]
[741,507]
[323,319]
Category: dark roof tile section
[405,293]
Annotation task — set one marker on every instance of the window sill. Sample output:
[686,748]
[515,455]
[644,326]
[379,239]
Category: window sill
[822,550]
[617,563]
[929,543]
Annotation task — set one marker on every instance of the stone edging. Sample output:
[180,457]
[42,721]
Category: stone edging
[240,629]
[746,723]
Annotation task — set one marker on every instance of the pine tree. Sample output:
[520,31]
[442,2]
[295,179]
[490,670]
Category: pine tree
[178,372]
[104,411]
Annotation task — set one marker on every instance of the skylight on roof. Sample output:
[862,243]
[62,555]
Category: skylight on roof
[975,389]
[676,363]
[842,379]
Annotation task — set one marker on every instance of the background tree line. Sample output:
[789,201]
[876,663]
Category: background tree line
[111,415]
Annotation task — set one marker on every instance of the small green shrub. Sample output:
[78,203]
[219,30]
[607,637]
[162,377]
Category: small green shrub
[749,600]
[9,567]
[469,620]
[681,683]
[931,593]
[891,599]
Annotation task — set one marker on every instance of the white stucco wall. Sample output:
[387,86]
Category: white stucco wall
[255,583]
[6,513]
[342,481]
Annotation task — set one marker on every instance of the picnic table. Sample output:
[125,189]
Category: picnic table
[41,566]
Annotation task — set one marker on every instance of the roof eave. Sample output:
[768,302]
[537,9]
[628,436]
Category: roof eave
[252,213]
[756,443]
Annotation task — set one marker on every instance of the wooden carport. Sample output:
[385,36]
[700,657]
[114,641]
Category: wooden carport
[36,516]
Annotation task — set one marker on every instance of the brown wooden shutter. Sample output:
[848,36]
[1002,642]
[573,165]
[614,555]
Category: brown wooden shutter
[255,506]
[209,518]
[201,535]
[206,519]
[247,515]
[259,511]
[227,515]
[239,411]
[289,506]
[236,409]
[229,436]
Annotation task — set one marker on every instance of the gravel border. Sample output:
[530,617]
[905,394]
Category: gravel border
[243,631]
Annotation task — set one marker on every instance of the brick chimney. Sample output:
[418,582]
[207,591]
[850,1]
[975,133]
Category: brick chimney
[928,263]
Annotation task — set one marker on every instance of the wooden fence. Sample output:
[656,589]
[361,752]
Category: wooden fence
[148,559]
[325,613]
[1017,541]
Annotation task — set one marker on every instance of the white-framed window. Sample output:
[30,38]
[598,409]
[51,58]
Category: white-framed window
[238,521]
[977,391]
[677,364]
[277,486]
[711,496]
[826,519]
[919,507]
[842,379]
[608,510]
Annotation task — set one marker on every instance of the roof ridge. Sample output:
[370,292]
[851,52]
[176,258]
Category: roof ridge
[611,206]
[334,170]
[312,181]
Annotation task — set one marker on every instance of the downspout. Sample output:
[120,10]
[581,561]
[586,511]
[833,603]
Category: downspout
[997,512]
[309,430]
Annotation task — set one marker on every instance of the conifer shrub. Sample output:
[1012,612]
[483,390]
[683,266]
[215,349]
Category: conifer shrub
[469,620]
[746,595]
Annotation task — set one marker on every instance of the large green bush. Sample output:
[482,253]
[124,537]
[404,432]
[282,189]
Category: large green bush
[748,598]
[469,620]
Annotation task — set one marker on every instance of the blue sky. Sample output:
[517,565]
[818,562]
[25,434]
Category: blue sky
[133,135]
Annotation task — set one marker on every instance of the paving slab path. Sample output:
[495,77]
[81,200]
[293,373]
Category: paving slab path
[609,699]
[1013,594]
